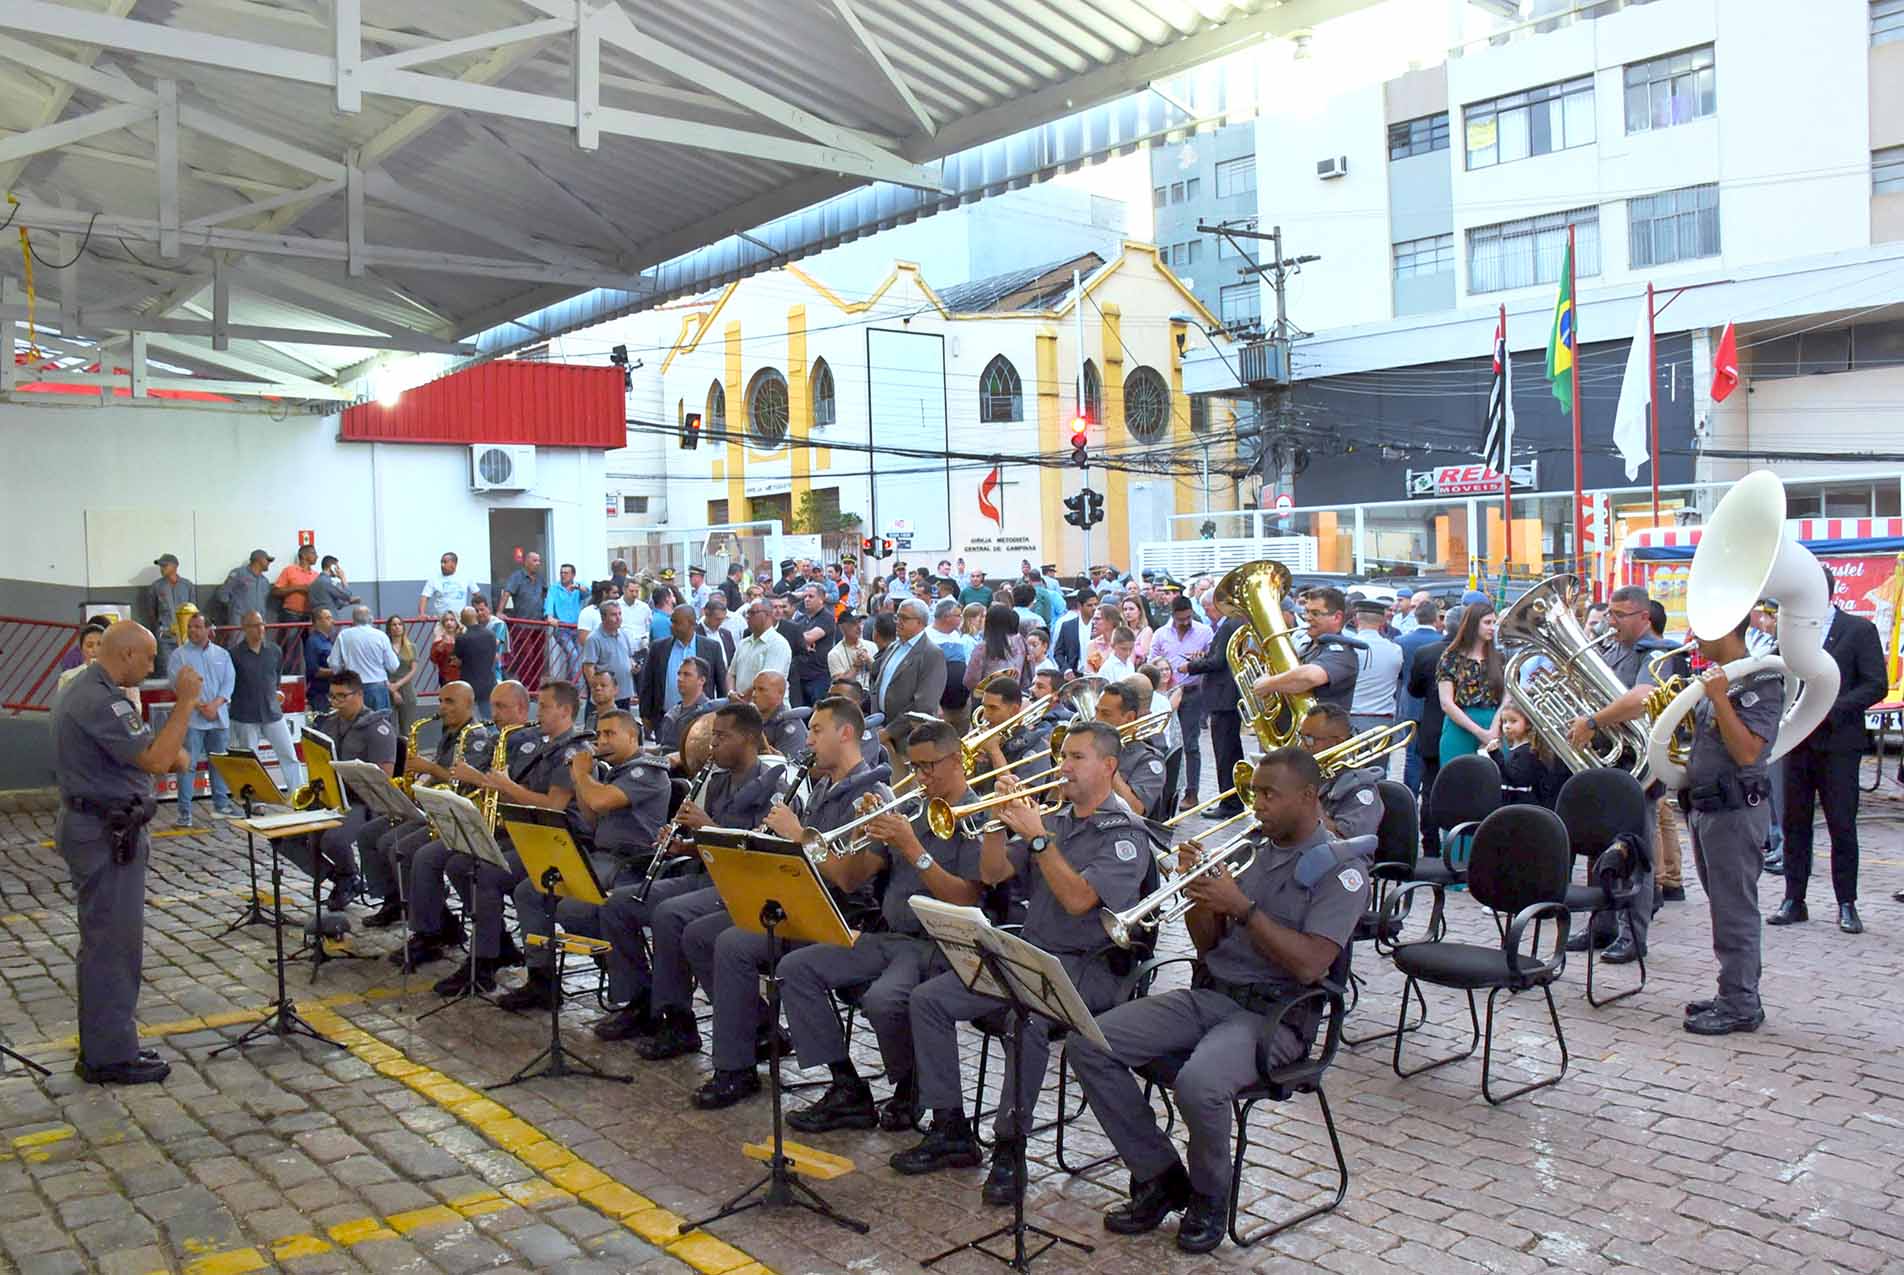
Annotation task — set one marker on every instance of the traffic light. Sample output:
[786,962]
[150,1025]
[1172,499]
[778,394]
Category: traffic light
[690,431]
[886,547]
[869,547]
[1079,438]
[1093,508]
[1075,504]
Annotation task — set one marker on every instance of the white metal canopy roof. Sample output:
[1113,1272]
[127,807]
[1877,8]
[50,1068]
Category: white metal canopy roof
[265,194]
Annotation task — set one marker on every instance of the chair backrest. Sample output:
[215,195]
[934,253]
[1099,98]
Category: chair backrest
[1520,857]
[1173,775]
[1467,789]
[1599,805]
[1398,836]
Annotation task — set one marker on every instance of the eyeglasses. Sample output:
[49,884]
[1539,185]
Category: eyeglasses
[1624,615]
[933,763]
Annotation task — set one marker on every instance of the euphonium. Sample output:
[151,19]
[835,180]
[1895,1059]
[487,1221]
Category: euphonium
[1579,682]
[407,781]
[972,746]
[1263,647]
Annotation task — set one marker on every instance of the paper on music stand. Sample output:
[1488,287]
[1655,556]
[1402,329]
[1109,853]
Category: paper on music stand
[374,788]
[956,928]
[1038,978]
[460,825]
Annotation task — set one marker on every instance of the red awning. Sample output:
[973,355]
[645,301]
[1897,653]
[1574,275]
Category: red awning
[507,401]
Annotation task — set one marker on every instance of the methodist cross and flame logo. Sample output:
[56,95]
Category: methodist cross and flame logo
[991,497]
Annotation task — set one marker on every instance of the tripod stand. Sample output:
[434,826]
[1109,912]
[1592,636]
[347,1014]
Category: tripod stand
[251,913]
[283,1021]
[559,1064]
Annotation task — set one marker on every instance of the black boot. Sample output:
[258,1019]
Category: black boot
[846,1104]
[630,1021]
[386,916]
[458,983]
[1623,952]
[949,1144]
[901,1111]
[534,994]
[1848,919]
[726,1089]
[1151,1202]
[676,1036]
[1203,1221]
[344,892]
[1002,1183]
[1790,912]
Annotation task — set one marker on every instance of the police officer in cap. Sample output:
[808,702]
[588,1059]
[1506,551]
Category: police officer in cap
[104,756]
[1261,937]
[1727,799]
[1140,766]
[1351,804]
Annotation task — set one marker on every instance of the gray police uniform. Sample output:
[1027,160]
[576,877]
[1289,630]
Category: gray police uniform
[894,958]
[728,961]
[623,840]
[1342,664]
[1025,744]
[1727,834]
[674,725]
[731,801]
[1142,767]
[1631,664]
[1110,850]
[1352,803]
[430,869]
[395,847]
[786,731]
[167,597]
[370,736]
[1208,1033]
[97,735]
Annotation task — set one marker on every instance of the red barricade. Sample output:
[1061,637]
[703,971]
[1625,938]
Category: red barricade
[31,652]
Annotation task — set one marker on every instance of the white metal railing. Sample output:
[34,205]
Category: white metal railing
[1186,558]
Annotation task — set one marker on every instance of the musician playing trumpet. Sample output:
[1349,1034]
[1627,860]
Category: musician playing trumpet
[893,952]
[1267,935]
[1004,698]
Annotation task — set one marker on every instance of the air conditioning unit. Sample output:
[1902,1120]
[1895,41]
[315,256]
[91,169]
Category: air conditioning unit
[502,466]
[1327,169]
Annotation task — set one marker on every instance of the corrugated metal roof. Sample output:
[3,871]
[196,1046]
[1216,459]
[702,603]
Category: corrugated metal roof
[507,401]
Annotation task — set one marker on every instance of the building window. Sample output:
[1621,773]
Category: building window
[1092,400]
[1236,177]
[767,407]
[717,513]
[1675,89]
[1146,405]
[716,407]
[634,504]
[1418,137]
[1520,254]
[1190,189]
[1675,225]
[1176,192]
[1183,254]
[1887,21]
[999,396]
[1887,171]
[1226,250]
[1433,255]
[1199,413]
[1240,305]
[1553,117]
[822,383]
[1160,196]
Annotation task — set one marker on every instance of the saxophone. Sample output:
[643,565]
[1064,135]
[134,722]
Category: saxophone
[488,801]
[406,782]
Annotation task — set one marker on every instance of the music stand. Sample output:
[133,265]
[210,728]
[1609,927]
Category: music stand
[1027,980]
[283,1021]
[320,774]
[459,825]
[770,887]
[561,871]
[245,775]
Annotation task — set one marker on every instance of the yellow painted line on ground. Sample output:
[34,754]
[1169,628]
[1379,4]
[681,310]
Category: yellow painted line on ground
[224,1018]
[33,1146]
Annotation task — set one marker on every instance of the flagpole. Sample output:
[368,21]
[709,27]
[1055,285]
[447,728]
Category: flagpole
[1652,378]
[1507,449]
[1579,495]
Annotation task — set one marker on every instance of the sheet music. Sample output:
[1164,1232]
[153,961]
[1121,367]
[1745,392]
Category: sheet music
[288,819]
[372,787]
[957,929]
[460,824]
[1038,978]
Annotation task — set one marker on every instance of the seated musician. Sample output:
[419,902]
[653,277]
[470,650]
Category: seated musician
[691,682]
[622,812]
[1259,938]
[1351,804]
[728,960]
[737,791]
[357,733]
[1140,767]
[1046,682]
[1330,664]
[893,953]
[394,844]
[786,732]
[1002,699]
[1090,854]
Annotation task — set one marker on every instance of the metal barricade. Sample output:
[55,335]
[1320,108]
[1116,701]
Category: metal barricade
[32,656]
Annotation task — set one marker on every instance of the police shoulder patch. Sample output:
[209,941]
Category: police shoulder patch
[1351,878]
[1366,796]
[1126,851]
[1156,766]
[383,728]
[122,706]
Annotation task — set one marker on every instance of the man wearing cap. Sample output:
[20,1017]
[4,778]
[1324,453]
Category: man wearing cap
[1378,677]
[852,656]
[291,590]
[1405,621]
[165,596]
[789,578]
[247,588]
[698,588]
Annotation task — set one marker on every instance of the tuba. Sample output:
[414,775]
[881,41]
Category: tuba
[1744,554]
[1264,647]
[1579,684]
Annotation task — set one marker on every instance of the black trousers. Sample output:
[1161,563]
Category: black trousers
[1226,742]
[1812,777]
[1430,835]
[1190,718]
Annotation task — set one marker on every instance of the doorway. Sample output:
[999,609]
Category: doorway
[513,535]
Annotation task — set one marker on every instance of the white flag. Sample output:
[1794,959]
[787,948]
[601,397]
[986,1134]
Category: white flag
[1636,395]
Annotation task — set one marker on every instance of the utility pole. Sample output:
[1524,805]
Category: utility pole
[1077,309]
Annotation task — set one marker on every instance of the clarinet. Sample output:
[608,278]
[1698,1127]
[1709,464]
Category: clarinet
[668,832]
[802,771]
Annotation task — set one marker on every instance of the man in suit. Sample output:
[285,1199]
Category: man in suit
[657,689]
[1421,686]
[1219,698]
[1824,770]
[1072,631]
[909,676]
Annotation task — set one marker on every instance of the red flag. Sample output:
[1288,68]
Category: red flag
[1725,366]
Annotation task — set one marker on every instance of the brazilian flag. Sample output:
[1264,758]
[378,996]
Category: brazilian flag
[1560,344]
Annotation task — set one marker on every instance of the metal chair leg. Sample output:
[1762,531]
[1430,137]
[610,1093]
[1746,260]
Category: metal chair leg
[1416,1026]
[1487,1055]
[1474,1018]
[1236,1175]
[1617,996]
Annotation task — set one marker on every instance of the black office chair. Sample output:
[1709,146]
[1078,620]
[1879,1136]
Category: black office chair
[1467,790]
[1166,805]
[1519,867]
[1397,851]
[1604,811]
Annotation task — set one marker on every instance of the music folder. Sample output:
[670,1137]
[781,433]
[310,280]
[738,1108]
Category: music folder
[755,869]
[365,781]
[544,843]
[241,769]
[319,750]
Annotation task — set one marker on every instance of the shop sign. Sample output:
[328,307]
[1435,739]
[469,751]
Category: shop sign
[1472,479]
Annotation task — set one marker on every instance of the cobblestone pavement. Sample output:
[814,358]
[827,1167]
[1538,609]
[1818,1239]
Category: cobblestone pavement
[1659,1151]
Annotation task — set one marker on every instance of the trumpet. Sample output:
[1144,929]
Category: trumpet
[1365,749]
[842,842]
[944,818]
[1171,901]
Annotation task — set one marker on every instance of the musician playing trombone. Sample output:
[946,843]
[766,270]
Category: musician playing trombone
[1140,766]
[1351,804]
[1090,854]
[1004,698]
[1260,937]
[893,953]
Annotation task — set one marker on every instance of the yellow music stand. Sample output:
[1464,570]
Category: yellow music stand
[561,871]
[246,776]
[770,887]
[320,774]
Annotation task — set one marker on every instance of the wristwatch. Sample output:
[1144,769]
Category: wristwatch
[924,860]
[1039,844]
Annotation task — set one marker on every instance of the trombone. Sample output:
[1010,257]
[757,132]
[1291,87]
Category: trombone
[1365,749]
[1171,901]
[944,818]
[1240,778]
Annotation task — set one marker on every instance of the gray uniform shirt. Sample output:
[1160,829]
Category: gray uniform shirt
[786,732]
[1760,700]
[1142,767]
[740,799]
[1352,803]
[1312,887]
[167,597]
[958,855]
[633,828]
[370,736]
[674,725]
[1342,665]
[244,592]
[1107,848]
[1630,665]
[96,735]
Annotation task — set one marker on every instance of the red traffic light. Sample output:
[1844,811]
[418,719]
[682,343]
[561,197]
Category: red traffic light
[1078,435]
